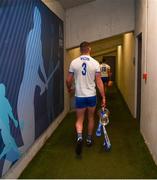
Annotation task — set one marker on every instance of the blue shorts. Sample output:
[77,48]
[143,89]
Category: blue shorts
[84,102]
[105,79]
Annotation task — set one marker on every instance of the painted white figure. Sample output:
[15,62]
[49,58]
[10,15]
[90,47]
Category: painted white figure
[31,79]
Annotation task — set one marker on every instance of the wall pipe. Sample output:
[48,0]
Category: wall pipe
[145,75]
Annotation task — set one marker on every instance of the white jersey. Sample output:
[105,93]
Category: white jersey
[104,70]
[84,69]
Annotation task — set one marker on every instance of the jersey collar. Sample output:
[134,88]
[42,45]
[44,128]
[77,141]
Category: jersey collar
[85,57]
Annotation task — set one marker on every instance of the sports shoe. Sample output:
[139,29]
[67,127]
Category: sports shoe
[89,142]
[78,149]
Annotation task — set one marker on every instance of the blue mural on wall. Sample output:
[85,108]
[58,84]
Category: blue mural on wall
[10,148]
[31,75]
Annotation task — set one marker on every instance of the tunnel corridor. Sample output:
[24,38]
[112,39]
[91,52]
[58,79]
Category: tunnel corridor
[39,40]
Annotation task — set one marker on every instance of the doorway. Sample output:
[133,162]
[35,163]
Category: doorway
[139,76]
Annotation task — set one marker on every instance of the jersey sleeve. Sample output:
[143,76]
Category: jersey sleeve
[71,68]
[108,67]
[97,67]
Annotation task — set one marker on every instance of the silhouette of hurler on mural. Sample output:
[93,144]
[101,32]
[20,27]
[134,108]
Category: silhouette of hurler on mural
[31,80]
[10,149]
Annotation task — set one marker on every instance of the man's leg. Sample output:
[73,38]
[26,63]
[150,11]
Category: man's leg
[79,128]
[104,83]
[79,119]
[105,87]
[91,122]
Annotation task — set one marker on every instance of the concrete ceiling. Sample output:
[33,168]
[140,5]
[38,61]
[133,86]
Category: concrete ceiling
[72,3]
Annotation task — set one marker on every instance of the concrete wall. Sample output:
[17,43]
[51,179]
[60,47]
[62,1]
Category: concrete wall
[126,71]
[146,22]
[98,19]
[17,169]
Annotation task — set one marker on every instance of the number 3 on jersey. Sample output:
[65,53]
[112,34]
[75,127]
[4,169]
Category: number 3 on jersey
[84,69]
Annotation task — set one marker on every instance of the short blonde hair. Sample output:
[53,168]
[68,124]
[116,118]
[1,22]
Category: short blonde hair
[84,47]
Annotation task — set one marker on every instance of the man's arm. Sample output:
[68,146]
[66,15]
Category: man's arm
[69,81]
[109,72]
[100,86]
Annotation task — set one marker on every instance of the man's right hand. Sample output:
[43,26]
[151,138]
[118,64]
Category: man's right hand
[103,102]
[71,90]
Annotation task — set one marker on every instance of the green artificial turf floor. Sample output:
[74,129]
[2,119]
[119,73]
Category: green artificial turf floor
[128,158]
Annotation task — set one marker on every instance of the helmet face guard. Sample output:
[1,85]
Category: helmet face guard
[104,116]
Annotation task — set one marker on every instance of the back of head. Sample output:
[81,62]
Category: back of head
[85,47]
[103,60]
